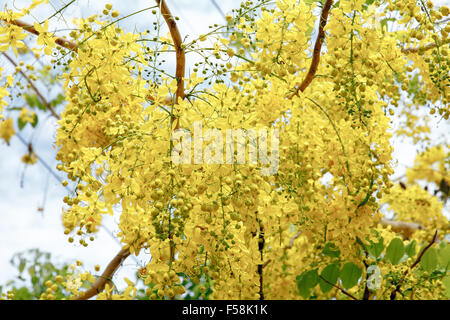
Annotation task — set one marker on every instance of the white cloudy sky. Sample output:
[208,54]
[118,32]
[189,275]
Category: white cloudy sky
[22,226]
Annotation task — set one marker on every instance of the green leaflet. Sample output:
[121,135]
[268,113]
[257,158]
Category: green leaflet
[350,275]
[444,257]
[410,249]
[331,274]
[306,281]
[429,260]
[331,250]
[395,251]
[376,248]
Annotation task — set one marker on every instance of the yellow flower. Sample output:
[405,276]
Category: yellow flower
[45,38]
[35,3]
[29,158]
[27,115]
[7,129]
[11,36]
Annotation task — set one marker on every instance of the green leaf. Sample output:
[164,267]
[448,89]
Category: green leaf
[384,23]
[31,100]
[444,257]
[309,31]
[331,274]
[446,282]
[31,271]
[40,105]
[414,85]
[350,275]
[22,265]
[306,281]
[331,250]
[309,2]
[375,249]
[429,260]
[14,109]
[23,294]
[367,4]
[20,123]
[395,251]
[410,249]
[58,100]
[35,121]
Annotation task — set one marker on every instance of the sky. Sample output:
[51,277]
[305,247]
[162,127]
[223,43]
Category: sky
[24,189]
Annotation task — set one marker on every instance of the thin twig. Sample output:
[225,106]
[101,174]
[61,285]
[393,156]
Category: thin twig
[316,53]
[46,166]
[41,97]
[59,11]
[337,287]
[106,276]
[397,288]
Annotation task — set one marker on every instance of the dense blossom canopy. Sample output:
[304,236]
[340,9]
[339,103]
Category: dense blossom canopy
[329,76]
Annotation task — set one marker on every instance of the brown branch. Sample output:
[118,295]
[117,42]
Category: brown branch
[316,53]
[366,294]
[179,50]
[41,97]
[291,241]
[414,50]
[405,228]
[106,276]
[424,48]
[339,288]
[289,246]
[397,288]
[28,27]
[261,242]
[167,100]
[179,75]
[266,263]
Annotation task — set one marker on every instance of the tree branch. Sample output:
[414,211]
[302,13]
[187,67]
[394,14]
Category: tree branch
[41,97]
[261,242]
[397,288]
[405,228]
[179,50]
[106,276]
[28,27]
[316,53]
[366,294]
[424,48]
[291,241]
